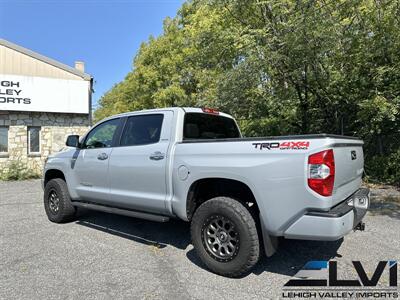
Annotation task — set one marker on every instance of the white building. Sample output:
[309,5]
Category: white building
[42,101]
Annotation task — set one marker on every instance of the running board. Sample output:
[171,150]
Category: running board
[124,212]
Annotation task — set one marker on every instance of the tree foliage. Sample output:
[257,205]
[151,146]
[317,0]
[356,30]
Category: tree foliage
[278,66]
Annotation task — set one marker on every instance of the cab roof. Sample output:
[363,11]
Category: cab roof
[175,109]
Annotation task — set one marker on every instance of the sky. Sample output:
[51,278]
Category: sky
[105,34]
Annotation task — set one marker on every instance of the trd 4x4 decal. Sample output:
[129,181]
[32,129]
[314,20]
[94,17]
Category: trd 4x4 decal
[295,145]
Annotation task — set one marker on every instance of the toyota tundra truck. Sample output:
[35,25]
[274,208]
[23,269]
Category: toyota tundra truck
[241,195]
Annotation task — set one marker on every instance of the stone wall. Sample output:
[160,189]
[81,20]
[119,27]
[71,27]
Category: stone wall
[55,127]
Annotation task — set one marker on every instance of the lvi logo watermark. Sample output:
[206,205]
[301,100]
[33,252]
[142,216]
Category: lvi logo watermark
[319,279]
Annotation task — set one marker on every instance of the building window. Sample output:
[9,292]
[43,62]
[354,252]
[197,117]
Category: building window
[34,140]
[3,140]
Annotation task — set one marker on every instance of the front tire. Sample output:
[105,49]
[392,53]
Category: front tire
[224,234]
[57,202]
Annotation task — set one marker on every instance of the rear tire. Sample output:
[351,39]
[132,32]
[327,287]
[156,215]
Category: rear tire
[57,202]
[224,234]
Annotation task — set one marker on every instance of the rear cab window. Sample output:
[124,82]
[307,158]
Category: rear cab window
[209,126]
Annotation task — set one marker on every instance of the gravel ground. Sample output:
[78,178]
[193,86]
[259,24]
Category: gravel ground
[103,256]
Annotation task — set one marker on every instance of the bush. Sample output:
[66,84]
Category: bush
[384,169]
[17,170]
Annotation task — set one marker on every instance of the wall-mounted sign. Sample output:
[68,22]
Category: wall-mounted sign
[27,93]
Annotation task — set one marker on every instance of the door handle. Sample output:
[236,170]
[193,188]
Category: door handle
[157,156]
[102,156]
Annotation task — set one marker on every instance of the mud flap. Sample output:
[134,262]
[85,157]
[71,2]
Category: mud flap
[271,243]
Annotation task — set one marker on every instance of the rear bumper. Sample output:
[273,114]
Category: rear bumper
[333,224]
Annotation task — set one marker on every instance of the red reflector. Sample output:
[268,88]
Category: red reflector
[321,172]
[210,111]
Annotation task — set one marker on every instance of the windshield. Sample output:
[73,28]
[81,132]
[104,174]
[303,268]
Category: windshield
[208,126]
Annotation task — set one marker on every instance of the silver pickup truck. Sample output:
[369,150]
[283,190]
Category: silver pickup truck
[240,194]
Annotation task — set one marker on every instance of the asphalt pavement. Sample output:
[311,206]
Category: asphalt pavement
[105,256]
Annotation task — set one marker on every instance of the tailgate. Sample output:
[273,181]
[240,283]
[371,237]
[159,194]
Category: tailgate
[349,168]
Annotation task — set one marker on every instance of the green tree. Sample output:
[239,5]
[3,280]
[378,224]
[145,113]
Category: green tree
[278,66]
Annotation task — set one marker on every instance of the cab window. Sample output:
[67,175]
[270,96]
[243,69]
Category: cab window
[142,130]
[208,126]
[102,135]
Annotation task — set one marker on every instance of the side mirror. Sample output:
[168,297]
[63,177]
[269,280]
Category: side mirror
[73,141]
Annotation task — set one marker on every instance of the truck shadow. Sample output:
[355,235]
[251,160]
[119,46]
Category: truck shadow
[390,209]
[174,233]
[385,201]
[291,256]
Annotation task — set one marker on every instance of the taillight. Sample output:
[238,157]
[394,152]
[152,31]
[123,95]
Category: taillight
[321,172]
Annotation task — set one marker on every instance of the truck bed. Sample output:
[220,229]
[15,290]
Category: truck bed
[282,137]
[275,169]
